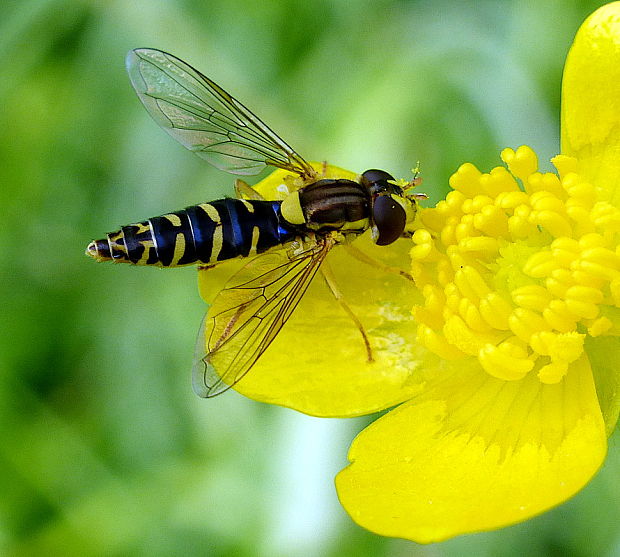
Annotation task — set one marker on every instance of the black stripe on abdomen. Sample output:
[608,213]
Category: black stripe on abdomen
[174,241]
[229,228]
[138,242]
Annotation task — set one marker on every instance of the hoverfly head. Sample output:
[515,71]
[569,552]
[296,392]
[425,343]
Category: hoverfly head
[391,210]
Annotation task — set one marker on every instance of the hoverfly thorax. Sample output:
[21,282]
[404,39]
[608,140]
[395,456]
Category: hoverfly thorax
[391,210]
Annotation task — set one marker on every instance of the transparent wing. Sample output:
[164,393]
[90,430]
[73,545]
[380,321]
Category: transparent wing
[205,118]
[247,315]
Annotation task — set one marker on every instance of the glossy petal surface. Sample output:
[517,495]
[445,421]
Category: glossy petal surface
[591,101]
[591,133]
[318,364]
[473,453]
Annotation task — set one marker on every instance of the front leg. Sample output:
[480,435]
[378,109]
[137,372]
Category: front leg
[368,260]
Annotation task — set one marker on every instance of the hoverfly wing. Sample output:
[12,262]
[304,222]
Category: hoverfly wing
[205,118]
[247,315]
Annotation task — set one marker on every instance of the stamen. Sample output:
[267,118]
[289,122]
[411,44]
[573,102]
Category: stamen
[515,265]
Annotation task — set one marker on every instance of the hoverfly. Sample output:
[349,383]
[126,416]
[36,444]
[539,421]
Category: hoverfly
[286,241]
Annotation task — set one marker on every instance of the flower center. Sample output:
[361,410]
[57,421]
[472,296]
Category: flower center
[516,267]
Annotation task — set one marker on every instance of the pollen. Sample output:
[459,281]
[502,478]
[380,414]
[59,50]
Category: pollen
[517,267]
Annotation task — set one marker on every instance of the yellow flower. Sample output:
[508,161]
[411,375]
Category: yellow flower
[507,366]
[520,273]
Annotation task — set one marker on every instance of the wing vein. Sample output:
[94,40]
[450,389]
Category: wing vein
[199,114]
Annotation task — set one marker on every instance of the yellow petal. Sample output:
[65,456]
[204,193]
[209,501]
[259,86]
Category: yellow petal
[473,453]
[318,362]
[318,365]
[591,101]
[212,279]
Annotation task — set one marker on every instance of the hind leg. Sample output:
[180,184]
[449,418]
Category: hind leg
[331,283]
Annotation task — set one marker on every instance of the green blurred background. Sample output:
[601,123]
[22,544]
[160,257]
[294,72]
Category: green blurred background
[104,448]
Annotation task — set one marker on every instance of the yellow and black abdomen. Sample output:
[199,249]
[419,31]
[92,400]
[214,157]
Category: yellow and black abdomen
[205,233]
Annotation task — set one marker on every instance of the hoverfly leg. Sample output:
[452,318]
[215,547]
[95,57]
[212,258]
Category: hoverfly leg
[365,258]
[301,245]
[243,190]
[331,284]
[324,169]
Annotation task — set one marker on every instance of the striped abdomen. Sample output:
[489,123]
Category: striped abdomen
[205,233]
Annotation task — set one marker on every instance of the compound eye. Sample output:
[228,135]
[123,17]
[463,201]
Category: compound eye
[389,219]
[374,175]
